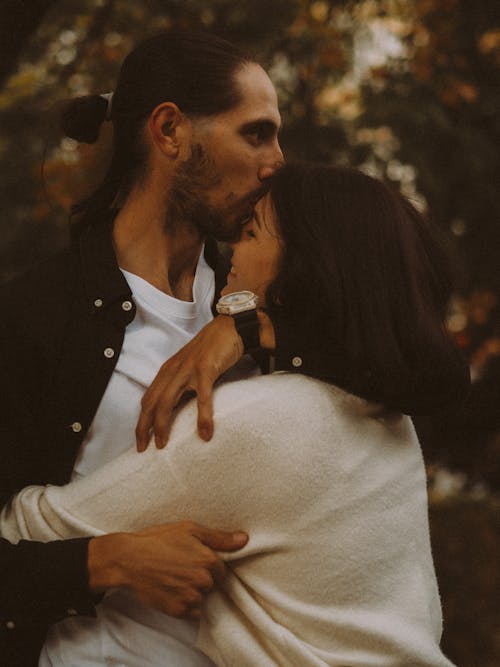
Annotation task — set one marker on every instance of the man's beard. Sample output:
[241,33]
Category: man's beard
[188,200]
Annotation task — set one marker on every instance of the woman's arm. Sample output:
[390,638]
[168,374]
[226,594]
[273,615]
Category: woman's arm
[136,491]
[442,381]
[196,367]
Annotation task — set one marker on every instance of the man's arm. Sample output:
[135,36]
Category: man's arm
[45,581]
[168,567]
[42,583]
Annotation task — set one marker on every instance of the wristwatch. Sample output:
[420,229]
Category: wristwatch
[242,307]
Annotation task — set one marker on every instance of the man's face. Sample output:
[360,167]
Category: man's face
[233,154]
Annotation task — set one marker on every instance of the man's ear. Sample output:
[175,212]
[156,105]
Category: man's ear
[168,126]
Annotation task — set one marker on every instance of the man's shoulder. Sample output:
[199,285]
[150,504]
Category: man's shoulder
[53,273]
[40,294]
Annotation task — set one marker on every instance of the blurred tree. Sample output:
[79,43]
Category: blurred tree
[19,20]
[441,100]
[466,545]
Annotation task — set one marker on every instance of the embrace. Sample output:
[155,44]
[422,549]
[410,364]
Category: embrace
[294,531]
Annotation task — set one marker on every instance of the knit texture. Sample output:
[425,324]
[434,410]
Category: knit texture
[338,569]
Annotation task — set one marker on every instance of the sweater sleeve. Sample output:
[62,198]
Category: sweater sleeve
[219,483]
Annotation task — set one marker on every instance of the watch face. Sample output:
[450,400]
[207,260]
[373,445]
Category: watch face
[237,298]
[237,302]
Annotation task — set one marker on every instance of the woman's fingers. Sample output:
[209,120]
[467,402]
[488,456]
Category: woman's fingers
[195,367]
[157,407]
[143,428]
[164,412]
[205,407]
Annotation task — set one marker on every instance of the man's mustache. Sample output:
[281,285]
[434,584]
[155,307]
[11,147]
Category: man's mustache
[250,201]
[257,194]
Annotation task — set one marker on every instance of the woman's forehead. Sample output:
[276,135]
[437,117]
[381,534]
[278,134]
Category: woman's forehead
[265,214]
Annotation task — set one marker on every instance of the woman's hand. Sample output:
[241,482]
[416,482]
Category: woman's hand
[195,368]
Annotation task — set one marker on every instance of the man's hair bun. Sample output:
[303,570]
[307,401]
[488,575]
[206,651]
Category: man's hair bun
[81,118]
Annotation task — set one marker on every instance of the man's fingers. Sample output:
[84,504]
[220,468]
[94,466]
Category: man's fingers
[220,540]
[218,570]
[205,408]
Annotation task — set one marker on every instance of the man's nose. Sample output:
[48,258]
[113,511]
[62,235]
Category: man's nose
[276,162]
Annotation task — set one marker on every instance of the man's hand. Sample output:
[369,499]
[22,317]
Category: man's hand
[168,567]
[215,349]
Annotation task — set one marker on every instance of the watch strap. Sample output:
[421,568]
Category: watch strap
[247,326]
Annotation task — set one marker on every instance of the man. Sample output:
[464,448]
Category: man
[195,138]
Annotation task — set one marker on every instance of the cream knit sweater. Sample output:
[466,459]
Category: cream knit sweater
[338,568]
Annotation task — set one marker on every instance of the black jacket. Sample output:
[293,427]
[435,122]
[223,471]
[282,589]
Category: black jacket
[57,321]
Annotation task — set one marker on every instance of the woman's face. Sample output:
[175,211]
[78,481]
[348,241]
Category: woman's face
[256,254]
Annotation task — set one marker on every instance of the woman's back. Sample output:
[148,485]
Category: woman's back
[338,568]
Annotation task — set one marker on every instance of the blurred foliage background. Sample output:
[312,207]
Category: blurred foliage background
[406,90]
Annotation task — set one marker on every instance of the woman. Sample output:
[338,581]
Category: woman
[327,479]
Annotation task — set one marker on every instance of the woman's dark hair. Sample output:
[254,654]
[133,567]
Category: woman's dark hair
[194,70]
[364,282]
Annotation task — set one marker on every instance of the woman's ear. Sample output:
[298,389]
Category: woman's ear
[167,126]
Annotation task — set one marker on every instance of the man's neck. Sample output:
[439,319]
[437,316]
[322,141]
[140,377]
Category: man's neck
[143,246]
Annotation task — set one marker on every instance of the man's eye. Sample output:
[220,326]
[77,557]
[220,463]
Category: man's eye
[257,134]
[249,233]
[255,138]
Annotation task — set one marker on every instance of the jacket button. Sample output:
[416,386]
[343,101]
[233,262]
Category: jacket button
[109,353]
[10,625]
[127,305]
[76,427]
[98,303]
[296,362]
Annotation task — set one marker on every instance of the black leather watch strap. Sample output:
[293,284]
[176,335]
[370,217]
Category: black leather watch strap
[247,326]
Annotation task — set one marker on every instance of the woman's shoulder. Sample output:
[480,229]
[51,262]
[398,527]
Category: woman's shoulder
[277,388]
[299,396]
